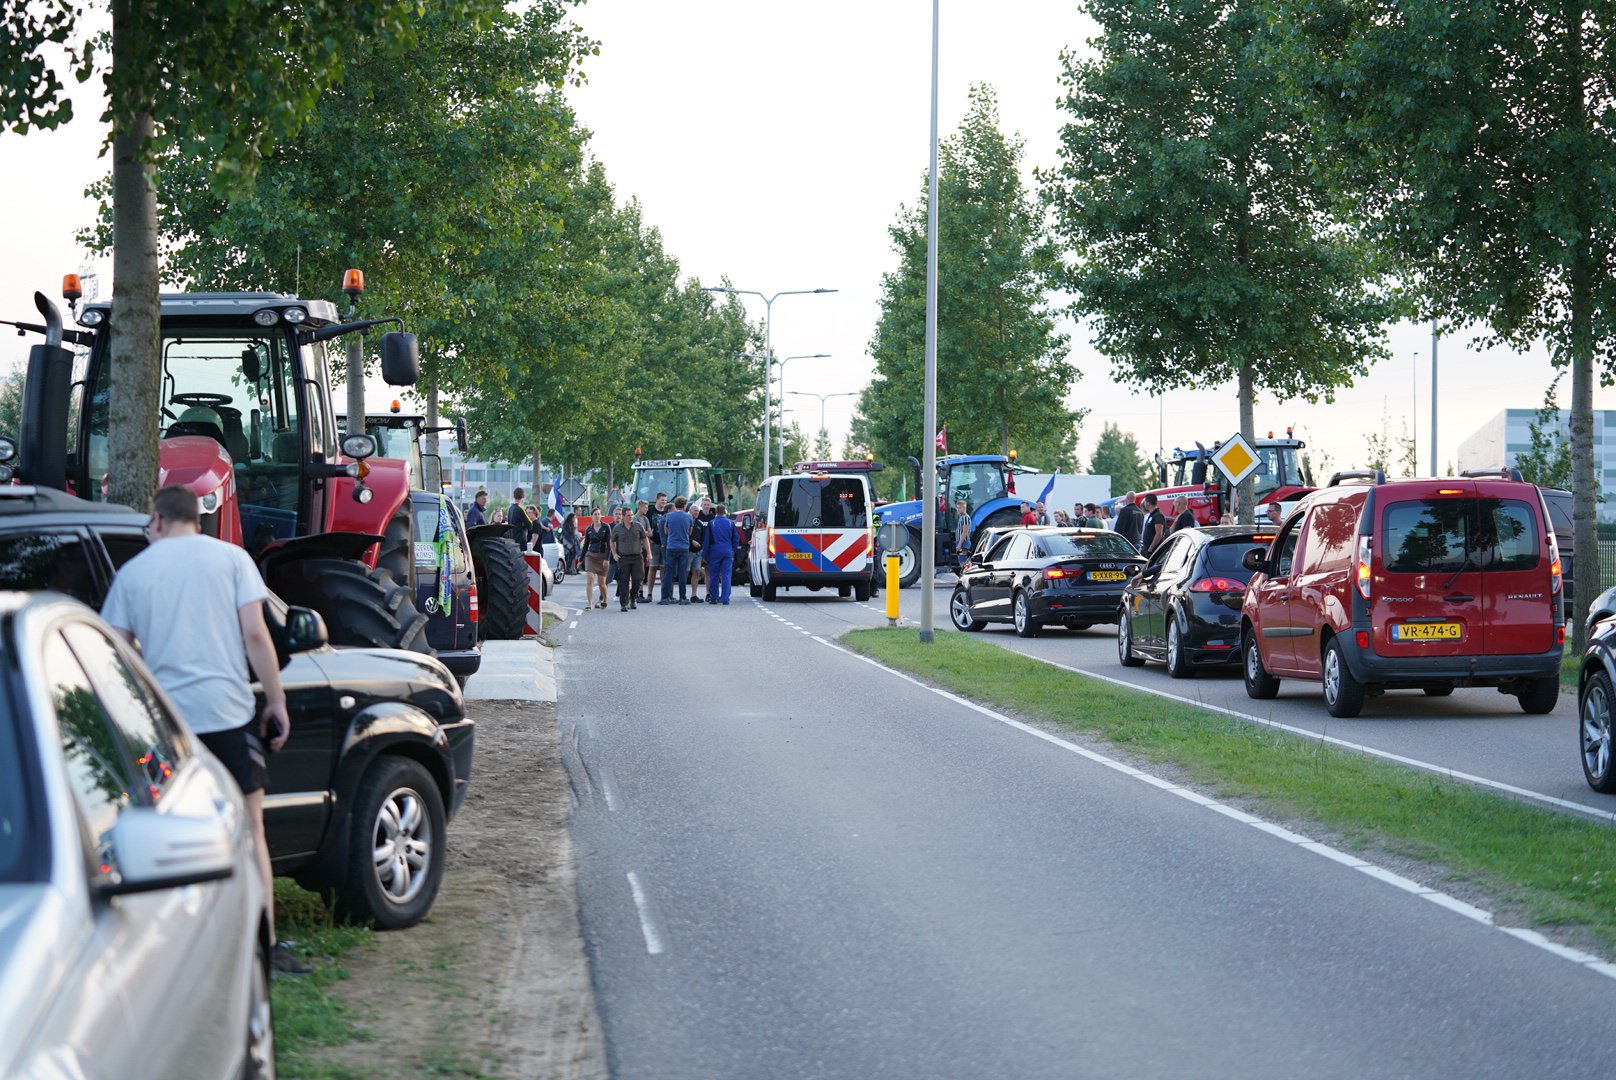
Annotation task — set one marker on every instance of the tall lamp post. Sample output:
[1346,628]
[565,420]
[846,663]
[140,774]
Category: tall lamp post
[804,393]
[768,350]
[783,363]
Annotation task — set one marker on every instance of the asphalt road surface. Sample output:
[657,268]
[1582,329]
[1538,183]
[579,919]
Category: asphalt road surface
[795,864]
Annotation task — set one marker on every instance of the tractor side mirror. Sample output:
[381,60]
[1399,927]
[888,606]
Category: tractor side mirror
[432,473]
[460,434]
[401,359]
[251,366]
[1255,560]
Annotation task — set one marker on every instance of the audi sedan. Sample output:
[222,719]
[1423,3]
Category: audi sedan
[1034,577]
[134,940]
[1183,609]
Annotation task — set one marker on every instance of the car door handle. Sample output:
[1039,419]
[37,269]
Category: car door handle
[1460,599]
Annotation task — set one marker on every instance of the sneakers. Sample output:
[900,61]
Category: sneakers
[663,603]
[283,961]
[684,603]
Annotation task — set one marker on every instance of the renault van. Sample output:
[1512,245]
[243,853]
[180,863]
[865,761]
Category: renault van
[813,530]
[1372,585]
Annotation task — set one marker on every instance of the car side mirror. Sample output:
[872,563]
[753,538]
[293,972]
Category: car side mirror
[1255,561]
[305,630]
[401,359]
[149,850]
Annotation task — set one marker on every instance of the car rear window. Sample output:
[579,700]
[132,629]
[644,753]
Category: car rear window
[1447,535]
[820,502]
[1222,558]
[1087,545]
[33,561]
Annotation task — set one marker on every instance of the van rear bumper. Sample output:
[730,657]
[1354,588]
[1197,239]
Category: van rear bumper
[819,577]
[1411,671]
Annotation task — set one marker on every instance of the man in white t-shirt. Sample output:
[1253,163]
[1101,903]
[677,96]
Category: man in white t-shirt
[194,605]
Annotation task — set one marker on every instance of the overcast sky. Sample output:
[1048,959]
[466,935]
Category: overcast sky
[773,144]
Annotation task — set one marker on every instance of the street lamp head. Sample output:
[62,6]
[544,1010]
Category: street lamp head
[824,290]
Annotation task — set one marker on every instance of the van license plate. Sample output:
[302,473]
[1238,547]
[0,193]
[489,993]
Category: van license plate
[1107,575]
[1426,631]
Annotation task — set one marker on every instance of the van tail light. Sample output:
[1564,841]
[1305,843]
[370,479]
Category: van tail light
[1362,638]
[1364,575]
[768,536]
[1217,585]
[1559,635]
[1556,578]
[471,610]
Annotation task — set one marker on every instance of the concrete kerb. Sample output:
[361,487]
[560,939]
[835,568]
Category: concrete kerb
[521,670]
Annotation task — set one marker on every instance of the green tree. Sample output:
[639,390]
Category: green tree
[11,406]
[1002,370]
[1117,455]
[1476,142]
[30,88]
[1547,462]
[1203,249]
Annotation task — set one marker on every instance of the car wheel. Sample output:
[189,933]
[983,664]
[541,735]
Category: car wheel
[1343,694]
[1259,684]
[959,610]
[395,859]
[1125,641]
[259,1061]
[1021,614]
[754,590]
[1598,701]
[844,590]
[862,591]
[1178,661]
[1540,696]
[770,592]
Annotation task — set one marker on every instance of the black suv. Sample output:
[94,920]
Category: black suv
[380,752]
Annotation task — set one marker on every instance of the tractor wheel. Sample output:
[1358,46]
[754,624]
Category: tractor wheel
[360,606]
[397,553]
[1000,519]
[501,588]
[909,561]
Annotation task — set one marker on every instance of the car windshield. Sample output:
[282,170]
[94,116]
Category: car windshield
[1449,535]
[16,821]
[1086,545]
[977,482]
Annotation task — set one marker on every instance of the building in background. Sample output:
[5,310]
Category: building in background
[1501,441]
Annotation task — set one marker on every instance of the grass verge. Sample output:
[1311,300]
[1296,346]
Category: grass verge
[1570,667]
[307,1014]
[1540,868]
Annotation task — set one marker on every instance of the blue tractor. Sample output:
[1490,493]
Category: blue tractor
[987,484]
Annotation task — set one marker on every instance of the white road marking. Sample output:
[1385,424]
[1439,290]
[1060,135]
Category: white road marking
[1379,873]
[607,790]
[653,942]
[573,625]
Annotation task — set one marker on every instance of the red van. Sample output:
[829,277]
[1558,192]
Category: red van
[1373,585]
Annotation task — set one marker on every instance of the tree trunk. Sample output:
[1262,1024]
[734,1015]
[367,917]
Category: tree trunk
[134,345]
[1584,482]
[432,417]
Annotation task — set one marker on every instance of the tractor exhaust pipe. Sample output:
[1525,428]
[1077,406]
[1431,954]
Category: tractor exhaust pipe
[43,438]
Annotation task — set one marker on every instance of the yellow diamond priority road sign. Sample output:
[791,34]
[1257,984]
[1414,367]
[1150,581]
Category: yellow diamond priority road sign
[1236,459]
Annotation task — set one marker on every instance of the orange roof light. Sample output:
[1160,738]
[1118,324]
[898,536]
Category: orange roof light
[353,282]
[1012,455]
[71,289]
[395,406]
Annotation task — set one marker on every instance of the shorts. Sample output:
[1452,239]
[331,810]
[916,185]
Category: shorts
[656,554]
[242,753]
[595,564]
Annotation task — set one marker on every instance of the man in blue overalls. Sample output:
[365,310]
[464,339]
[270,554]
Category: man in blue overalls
[718,553]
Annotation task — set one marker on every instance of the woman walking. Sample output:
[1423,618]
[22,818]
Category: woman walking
[597,544]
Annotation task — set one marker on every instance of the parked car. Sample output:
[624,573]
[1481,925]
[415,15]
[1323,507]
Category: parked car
[1596,696]
[380,752]
[133,936]
[1184,607]
[446,586]
[1031,577]
[1372,585]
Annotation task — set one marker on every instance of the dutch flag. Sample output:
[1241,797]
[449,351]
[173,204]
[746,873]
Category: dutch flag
[555,503]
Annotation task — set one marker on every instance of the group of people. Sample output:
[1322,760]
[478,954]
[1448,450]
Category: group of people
[684,544]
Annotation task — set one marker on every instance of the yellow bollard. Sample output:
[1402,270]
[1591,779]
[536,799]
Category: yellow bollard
[892,588]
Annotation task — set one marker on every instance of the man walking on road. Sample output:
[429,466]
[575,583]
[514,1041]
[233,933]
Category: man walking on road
[675,551]
[718,552]
[195,607]
[632,549]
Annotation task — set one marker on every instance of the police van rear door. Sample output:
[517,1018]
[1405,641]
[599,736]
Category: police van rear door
[821,525]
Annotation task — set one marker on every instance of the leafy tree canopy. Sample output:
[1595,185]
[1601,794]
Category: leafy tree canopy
[1117,455]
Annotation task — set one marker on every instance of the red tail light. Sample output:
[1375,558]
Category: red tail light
[1365,572]
[1363,639]
[1058,574]
[1218,584]
[1556,578]
[471,612]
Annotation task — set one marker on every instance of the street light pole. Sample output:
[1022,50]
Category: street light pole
[768,351]
[783,363]
[928,473]
[822,399]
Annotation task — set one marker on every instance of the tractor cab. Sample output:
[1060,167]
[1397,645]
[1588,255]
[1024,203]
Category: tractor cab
[1283,475]
[978,482]
[694,478]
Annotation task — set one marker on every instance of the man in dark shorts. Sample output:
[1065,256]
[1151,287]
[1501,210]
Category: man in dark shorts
[195,607]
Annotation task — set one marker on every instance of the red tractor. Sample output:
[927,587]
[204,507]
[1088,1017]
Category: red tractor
[246,421]
[1283,477]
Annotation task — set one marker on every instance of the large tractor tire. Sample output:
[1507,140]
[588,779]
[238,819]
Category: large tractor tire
[999,518]
[501,588]
[909,561]
[397,552]
[360,606]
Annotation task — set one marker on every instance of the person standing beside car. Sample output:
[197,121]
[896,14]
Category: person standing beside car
[1130,521]
[194,606]
[1183,519]
[1155,527]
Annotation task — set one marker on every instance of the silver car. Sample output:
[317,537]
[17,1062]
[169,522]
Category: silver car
[133,936]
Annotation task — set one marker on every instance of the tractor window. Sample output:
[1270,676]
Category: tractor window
[671,482]
[978,483]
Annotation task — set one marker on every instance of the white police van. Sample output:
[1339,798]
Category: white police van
[813,529]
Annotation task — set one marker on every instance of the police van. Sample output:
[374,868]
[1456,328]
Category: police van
[813,529]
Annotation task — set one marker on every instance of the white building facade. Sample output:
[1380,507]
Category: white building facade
[1501,441]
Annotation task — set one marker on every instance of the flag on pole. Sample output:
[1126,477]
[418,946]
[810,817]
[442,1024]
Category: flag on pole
[942,440]
[555,503]
[1043,496]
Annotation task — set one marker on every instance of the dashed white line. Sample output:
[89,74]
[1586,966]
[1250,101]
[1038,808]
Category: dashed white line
[653,941]
[1379,873]
[573,625]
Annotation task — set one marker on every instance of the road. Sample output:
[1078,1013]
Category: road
[794,864]
[1476,732]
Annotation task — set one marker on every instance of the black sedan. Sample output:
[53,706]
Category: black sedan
[1030,577]
[1184,608]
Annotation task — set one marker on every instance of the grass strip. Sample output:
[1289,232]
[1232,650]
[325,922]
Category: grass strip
[307,1013]
[1542,868]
